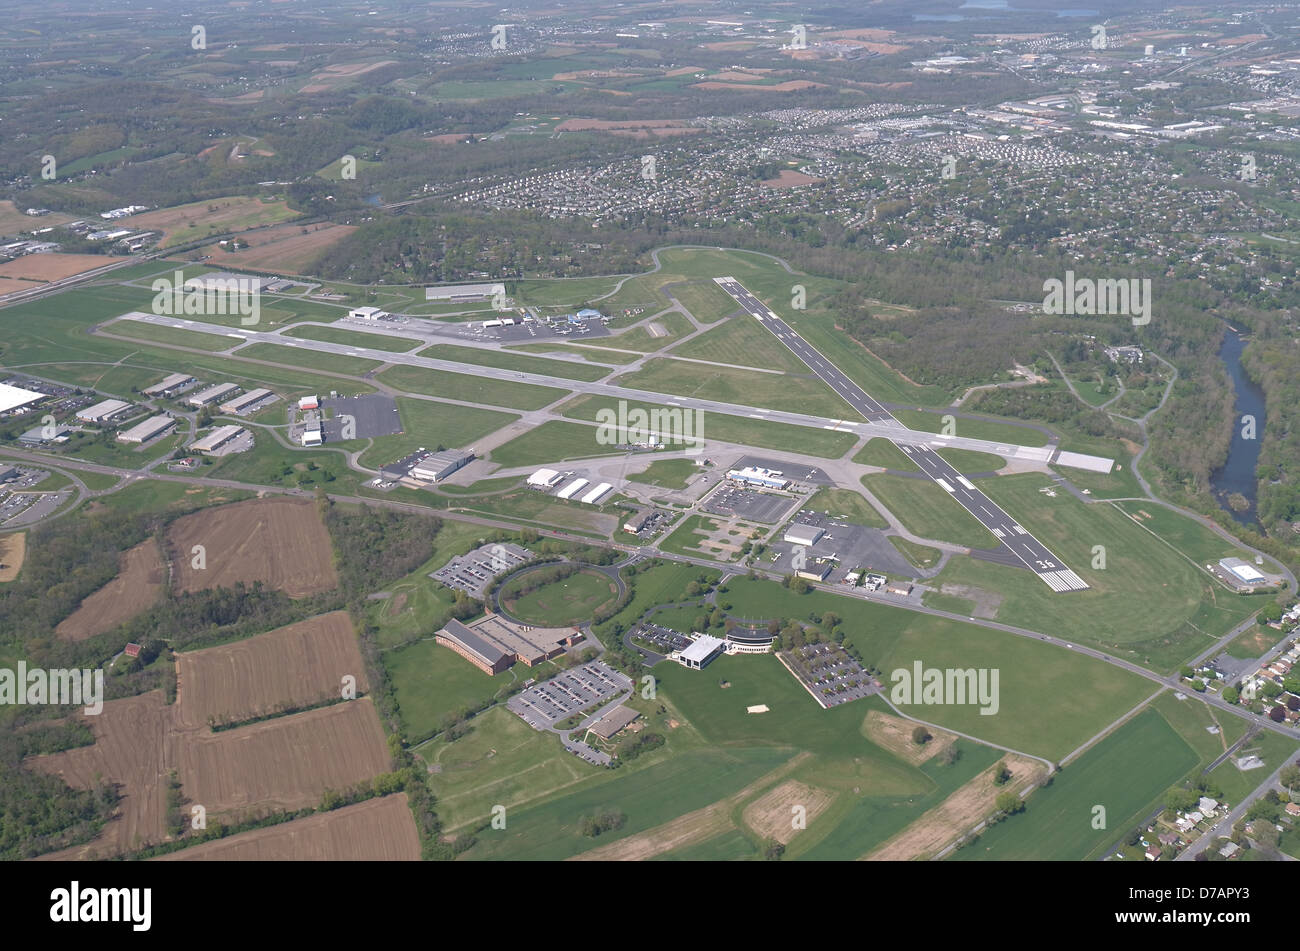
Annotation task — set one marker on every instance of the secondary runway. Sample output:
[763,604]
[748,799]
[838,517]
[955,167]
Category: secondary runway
[1029,550]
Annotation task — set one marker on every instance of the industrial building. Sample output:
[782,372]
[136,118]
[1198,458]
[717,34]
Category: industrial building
[638,521]
[103,412]
[438,466]
[169,386]
[797,534]
[40,435]
[218,437]
[309,402]
[366,313]
[544,479]
[494,643]
[752,475]
[703,649]
[1240,574]
[15,397]
[312,436]
[595,495]
[151,428]
[571,489]
[213,393]
[611,723]
[462,293]
[815,572]
[241,404]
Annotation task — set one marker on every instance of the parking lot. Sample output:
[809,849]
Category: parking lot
[830,674]
[738,501]
[855,547]
[28,508]
[373,415]
[665,640]
[545,704]
[473,572]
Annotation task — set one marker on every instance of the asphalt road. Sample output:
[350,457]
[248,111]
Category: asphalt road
[1032,553]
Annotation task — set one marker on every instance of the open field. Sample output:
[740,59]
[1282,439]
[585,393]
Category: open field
[435,686]
[847,504]
[1126,773]
[745,388]
[741,341]
[566,369]
[285,249]
[429,424]
[139,582]
[471,389]
[202,219]
[13,551]
[707,302]
[561,603]
[922,556]
[967,461]
[928,511]
[740,430]
[958,813]
[883,453]
[294,356]
[53,265]
[354,338]
[1149,603]
[14,221]
[280,542]
[176,336]
[377,830]
[284,763]
[974,428]
[895,734]
[553,441]
[668,473]
[770,816]
[131,748]
[292,666]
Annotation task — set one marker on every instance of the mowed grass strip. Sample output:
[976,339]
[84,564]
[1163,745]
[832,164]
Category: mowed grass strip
[967,461]
[740,387]
[741,341]
[553,441]
[933,422]
[883,453]
[929,511]
[1127,773]
[137,330]
[741,430]
[470,389]
[355,338]
[566,369]
[304,357]
[707,302]
[429,424]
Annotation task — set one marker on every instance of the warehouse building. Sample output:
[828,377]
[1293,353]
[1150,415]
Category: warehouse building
[312,436]
[212,394]
[703,649]
[797,534]
[242,404]
[438,466]
[151,428]
[752,475]
[571,489]
[103,412]
[815,572]
[15,397]
[483,654]
[40,435]
[544,479]
[169,386]
[638,521]
[463,293]
[366,313]
[219,437]
[611,723]
[1240,574]
[595,495]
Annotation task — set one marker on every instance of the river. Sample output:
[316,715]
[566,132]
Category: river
[1238,472]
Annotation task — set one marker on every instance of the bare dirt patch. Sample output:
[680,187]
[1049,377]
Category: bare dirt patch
[138,584]
[986,602]
[14,220]
[297,665]
[788,178]
[234,213]
[286,249]
[53,266]
[791,85]
[378,830]
[771,815]
[448,138]
[13,551]
[958,813]
[9,285]
[281,542]
[895,734]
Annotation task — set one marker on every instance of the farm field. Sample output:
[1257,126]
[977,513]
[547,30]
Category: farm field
[285,249]
[740,430]
[139,583]
[561,603]
[927,511]
[280,542]
[377,830]
[202,219]
[284,763]
[292,666]
[1127,773]
[53,266]
[13,551]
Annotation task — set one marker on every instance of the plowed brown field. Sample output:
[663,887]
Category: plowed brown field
[280,542]
[137,586]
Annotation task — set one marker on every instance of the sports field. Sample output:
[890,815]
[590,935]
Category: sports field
[572,600]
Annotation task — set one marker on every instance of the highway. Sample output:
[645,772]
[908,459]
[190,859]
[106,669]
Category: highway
[1027,549]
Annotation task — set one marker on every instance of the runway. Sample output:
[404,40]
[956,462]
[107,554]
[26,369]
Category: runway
[1029,550]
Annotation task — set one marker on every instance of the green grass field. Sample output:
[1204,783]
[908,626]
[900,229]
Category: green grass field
[315,359]
[1149,603]
[434,685]
[474,356]
[966,461]
[663,583]
[593,354]
[740,387]
[740,430]
[687,536]
[848,504]
[1126,773]
[883,453]
[354,338]
[561,603]
[932,422]
[743,342]
[553,441]
[707,302]
[429,424]
[922,556]
[137,330]
[471,389]
[674,326]
[669,473]
[928,511]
